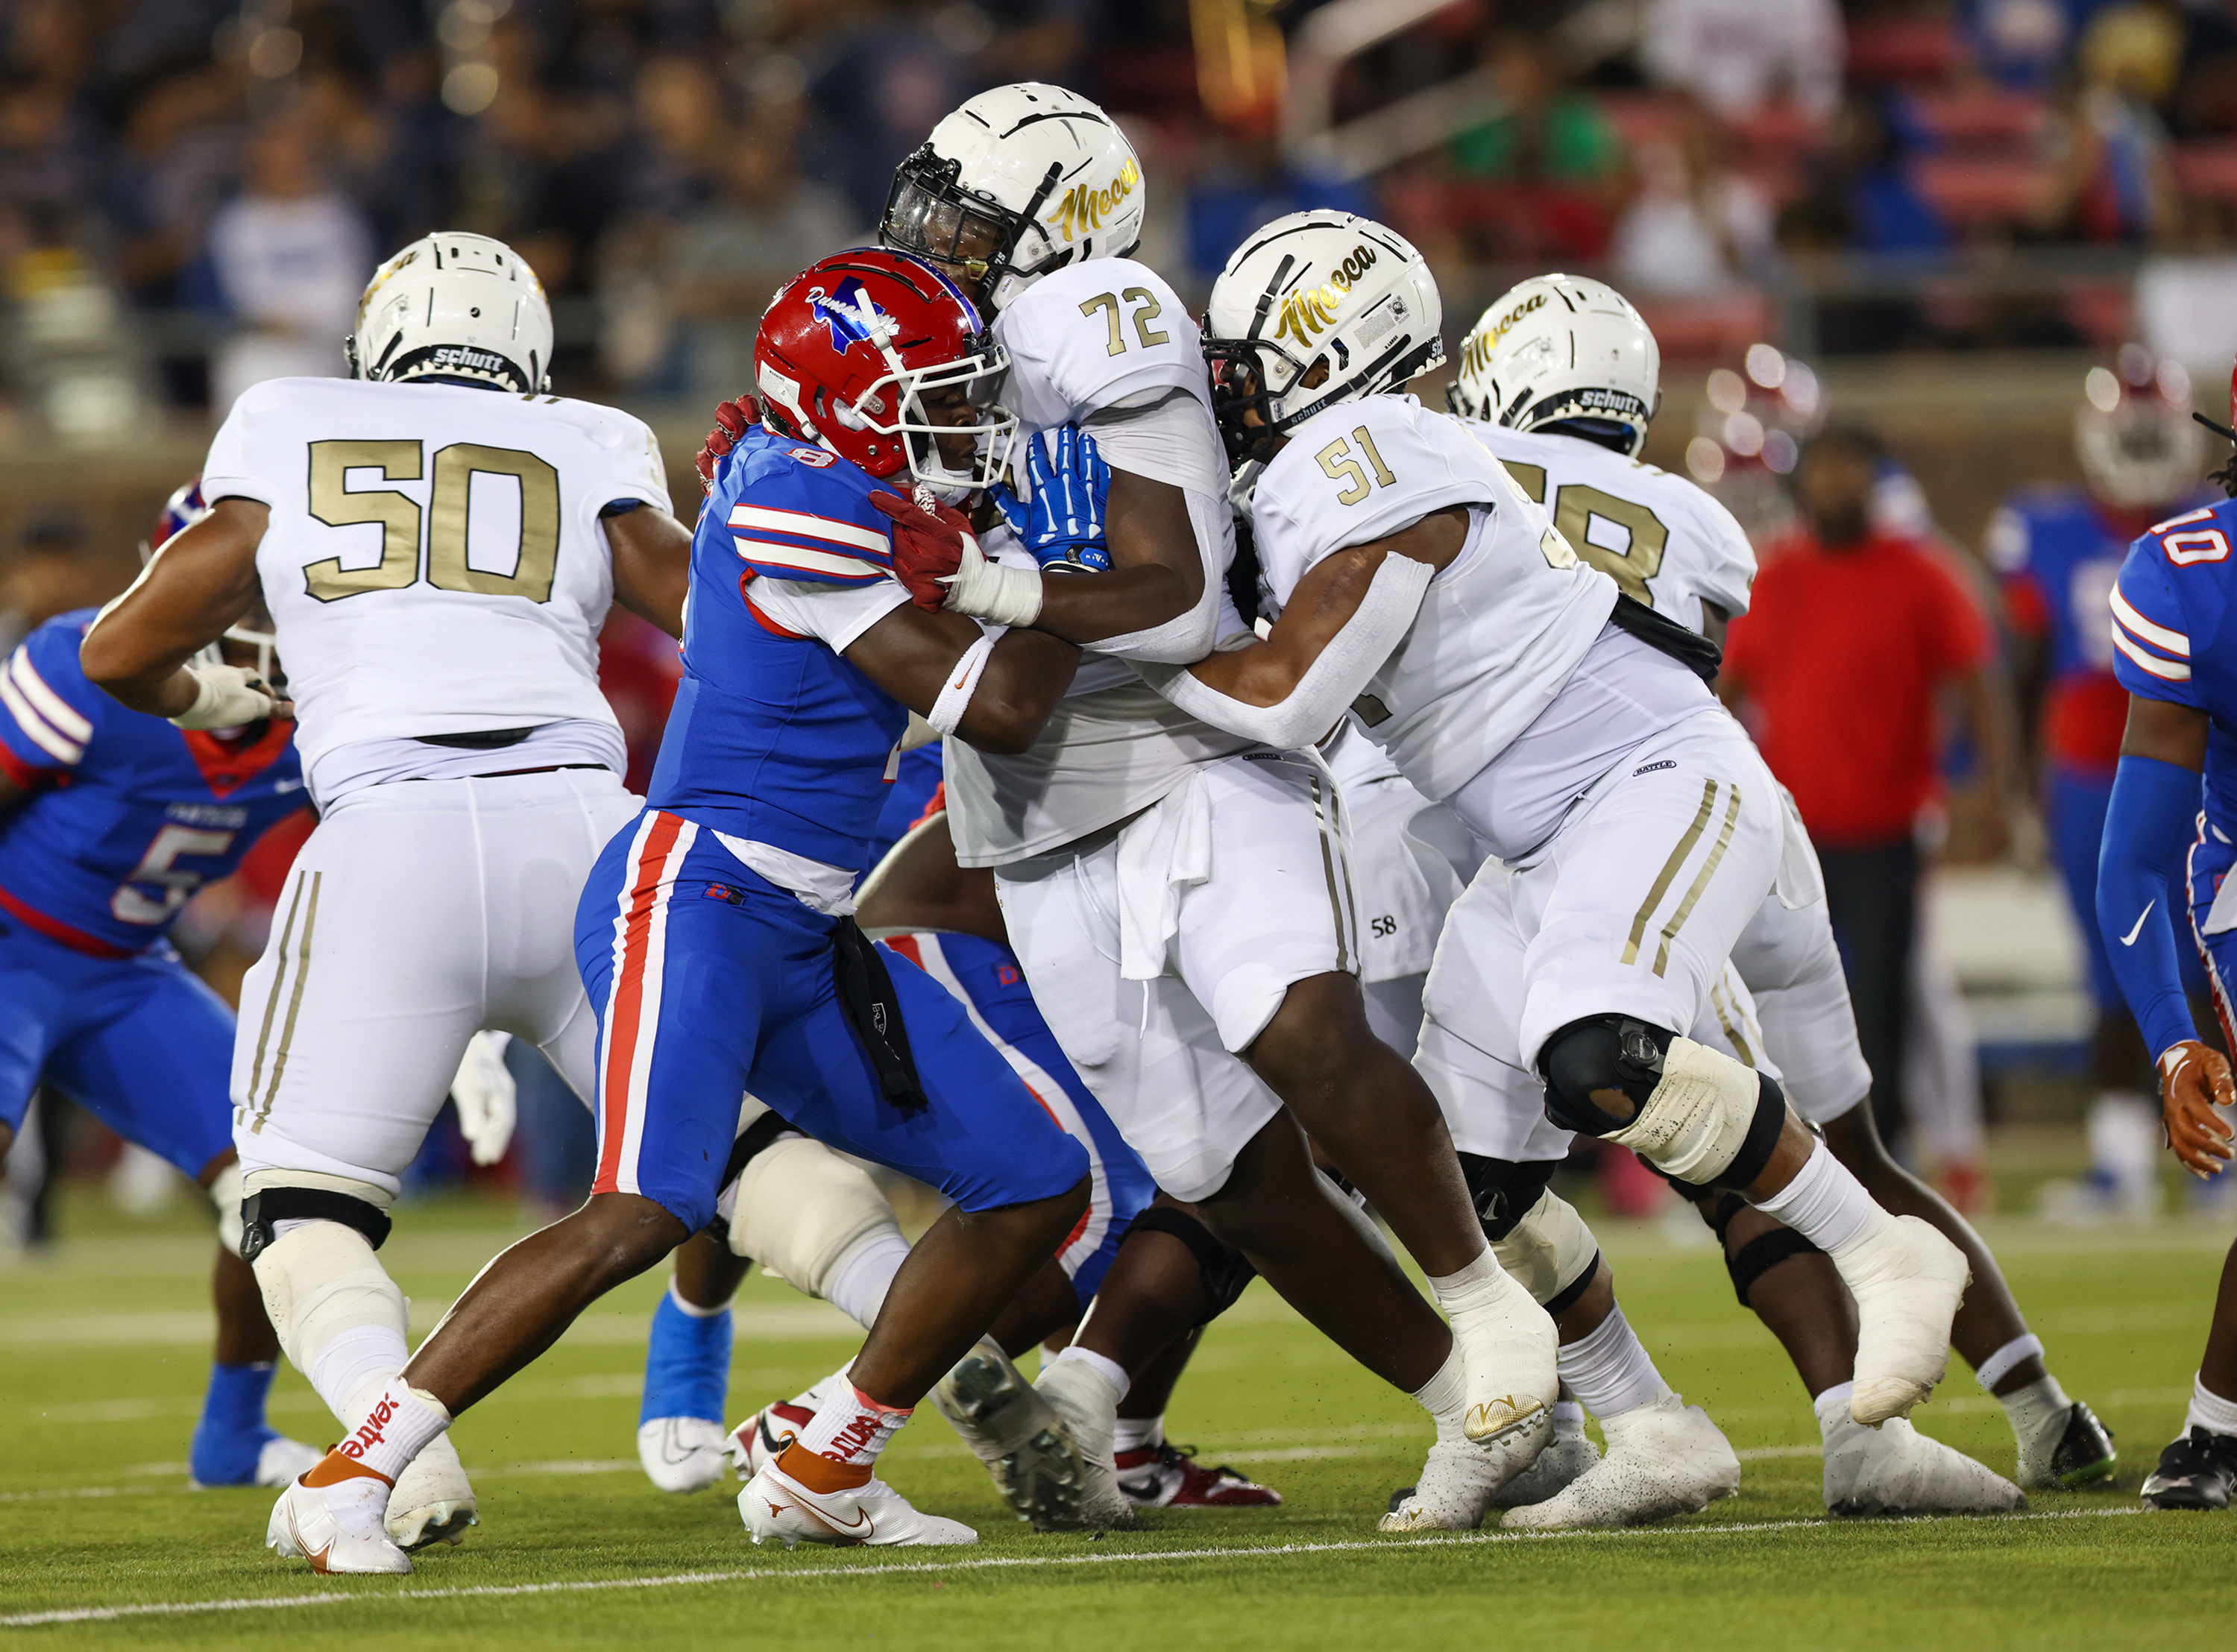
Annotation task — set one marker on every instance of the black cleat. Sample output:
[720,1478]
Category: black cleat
[2195,1472]
[2085,1453]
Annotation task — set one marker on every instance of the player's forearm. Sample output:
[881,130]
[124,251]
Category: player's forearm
[1025,678]
[202,581]
[2147,828]
[1089,609]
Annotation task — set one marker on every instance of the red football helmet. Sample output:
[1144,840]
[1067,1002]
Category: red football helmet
[849,349]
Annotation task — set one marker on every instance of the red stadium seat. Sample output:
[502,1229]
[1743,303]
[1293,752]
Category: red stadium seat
[1982,117]
[1904,52]
[1984,191]
[2208,167]
[1716,328]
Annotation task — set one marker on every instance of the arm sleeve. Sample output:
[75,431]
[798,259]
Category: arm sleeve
[1334,680]
[2147,827]
[833,614]
[49,712]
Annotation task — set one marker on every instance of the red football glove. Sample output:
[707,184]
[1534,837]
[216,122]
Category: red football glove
[927,544]
[732,420]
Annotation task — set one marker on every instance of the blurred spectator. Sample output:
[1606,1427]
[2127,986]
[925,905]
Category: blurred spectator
[1737,56]
[1864,195]
[882,87]
[2117,183]
[1695,227]
[1546,171]
[291,256]
[1841,661]
[1249,185]
[180,144]
[46,575]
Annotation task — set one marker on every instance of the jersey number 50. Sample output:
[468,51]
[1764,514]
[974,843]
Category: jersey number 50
[449,507]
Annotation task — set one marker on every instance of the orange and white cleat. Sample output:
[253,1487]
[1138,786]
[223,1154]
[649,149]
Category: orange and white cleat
[332,1516]
[776,1504]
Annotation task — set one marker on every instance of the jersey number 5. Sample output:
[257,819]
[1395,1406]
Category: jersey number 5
[1144,312]
[449,510]
[157,867]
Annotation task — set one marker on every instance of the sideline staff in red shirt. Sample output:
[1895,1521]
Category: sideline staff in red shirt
[1849,643]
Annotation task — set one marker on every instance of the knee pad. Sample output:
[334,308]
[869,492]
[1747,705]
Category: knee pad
[340,1317]
[1504,1191]
[225,1194]
[1226,1271]
[1760,1254]
[800,1208]
[1702,1117]
[262,1211]
[1551,1252]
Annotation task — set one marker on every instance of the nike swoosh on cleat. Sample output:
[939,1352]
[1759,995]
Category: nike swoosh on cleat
[863,1528]
[2130,939]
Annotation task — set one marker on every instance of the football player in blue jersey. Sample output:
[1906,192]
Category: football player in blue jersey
[2172,827]
[110,821]
[2058,551]
[714,934]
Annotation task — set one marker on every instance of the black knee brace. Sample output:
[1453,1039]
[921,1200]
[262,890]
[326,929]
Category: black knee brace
[1503,1190]
[1226,1271]
[1610,1052]
[261,1210]
[1760,1254]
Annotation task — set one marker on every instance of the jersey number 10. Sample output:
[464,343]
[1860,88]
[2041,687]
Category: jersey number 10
[336,503]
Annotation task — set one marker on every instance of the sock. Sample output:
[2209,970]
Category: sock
[2001,1363]
[1610,1370]
[687,1361]
[1139,1434]
[2210,1410]
[694,1309]
[1469,1288]
[1445,1397]
[1824,1203]
[2037,1413]
[1110,1370]
[859,1281]
[232,1432]
[399,1425]
[850,1429]
[1832,1409]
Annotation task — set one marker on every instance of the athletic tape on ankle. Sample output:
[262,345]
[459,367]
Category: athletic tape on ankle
[1998,1366]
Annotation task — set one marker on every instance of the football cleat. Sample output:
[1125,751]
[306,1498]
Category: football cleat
[682,1453]
[2084,1455]
[1508,1342]
[763,1436]
[1168,1477]
[773,1504]
[1012,1429]
[1088,1411]
[433,1501]
[1907,1281]
[1664,1458]
[1461,1476]
[2197,1471]
[335,1525]
[1894,1469]
[1569,1454]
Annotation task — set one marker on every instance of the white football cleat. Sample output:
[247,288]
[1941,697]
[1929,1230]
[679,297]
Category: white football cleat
[1508,1343]
[282,1460]
[682,1453]
[1664,1458]
[773,1504]
[1568,1455]
[1012,1429]
[336,1527]
[1461,1476]
[1894,1469]
[1086,1408]
[433,1501]
[1907,1279]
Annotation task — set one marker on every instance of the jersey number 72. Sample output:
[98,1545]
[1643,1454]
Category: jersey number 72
[339,505]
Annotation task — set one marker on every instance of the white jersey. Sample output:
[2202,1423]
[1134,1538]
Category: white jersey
[1664,542]
[1502,627]
[434,564]
[1108,345]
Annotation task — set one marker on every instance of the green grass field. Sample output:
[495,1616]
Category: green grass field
[103,1349]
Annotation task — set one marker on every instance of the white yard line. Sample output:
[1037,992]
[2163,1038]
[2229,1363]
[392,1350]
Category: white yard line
[1019,1562]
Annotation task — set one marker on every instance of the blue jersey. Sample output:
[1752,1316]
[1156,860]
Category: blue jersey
[2056,544]
[773,737]
[128,815]
[2175,635]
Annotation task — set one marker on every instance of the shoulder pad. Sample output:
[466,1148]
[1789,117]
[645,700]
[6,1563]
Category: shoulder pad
[1093,334]
[794,511]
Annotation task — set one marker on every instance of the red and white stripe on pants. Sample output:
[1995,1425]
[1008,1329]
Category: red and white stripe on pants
[632,1016]
[922,948]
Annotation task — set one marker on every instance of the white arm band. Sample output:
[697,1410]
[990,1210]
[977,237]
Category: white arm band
[962,682]
[1332,681]
[984,589]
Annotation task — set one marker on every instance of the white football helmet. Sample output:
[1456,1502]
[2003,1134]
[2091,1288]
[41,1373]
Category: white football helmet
[2138,444]
[1017,183]
[1316,289]
[454,305]
[1562,350]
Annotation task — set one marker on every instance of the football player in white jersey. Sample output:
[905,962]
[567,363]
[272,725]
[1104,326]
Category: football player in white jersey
[1570,728]
[1178,894]
[438,540]
[1560,377]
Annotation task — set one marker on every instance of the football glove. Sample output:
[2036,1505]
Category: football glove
[732,420]
[937,557]
[485,1093]
[1062,523]
[228,696]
